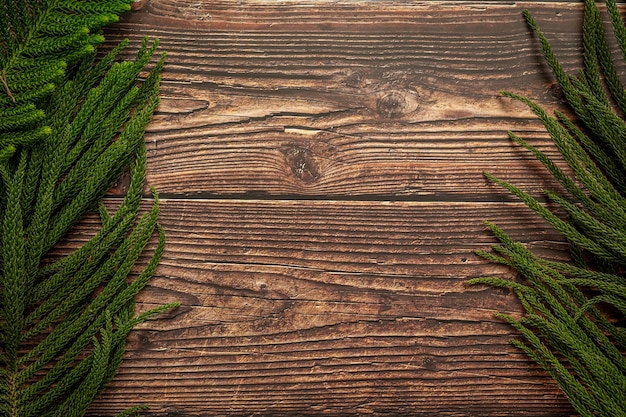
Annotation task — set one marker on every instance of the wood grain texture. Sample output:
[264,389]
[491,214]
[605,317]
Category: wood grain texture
[311,308]
[358,99]
[321,167]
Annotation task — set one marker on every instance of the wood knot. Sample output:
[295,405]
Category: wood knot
[302,162]
[139,340]
[395,104]
[354,80]
[429,363]
[556,92]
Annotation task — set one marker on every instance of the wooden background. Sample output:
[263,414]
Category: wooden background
[320,165]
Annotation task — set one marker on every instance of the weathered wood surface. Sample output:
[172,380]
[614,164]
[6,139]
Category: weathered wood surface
[320,165]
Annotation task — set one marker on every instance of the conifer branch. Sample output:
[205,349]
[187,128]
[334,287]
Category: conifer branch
[64,141]
[563,329]
[3,78]
[39,42]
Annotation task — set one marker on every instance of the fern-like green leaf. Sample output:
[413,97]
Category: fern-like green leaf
[64,140]
[564,330]
[40,41]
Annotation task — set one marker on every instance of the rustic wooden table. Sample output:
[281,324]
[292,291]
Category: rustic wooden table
[320,165]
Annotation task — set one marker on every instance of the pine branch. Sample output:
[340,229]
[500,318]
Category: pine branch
[40,43]
[563,329]
[64,141]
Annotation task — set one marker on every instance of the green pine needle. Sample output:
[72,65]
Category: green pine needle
[563,328]
[65,138]
[39,40]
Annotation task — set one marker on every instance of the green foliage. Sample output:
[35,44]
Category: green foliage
[39,41]
[573,310]
[69,127]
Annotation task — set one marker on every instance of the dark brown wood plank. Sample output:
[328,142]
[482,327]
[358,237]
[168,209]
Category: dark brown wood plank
[353,99]
[362,129]
[326,307]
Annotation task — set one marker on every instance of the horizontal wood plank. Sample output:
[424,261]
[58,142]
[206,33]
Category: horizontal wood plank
[331,307]
[321,166]
[349,99]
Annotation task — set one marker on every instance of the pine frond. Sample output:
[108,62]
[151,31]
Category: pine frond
[40,42]
[564,330]
[63,325]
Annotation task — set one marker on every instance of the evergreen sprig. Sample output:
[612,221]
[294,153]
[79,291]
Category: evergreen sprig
[574,310]
[68,130]
[40,41]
